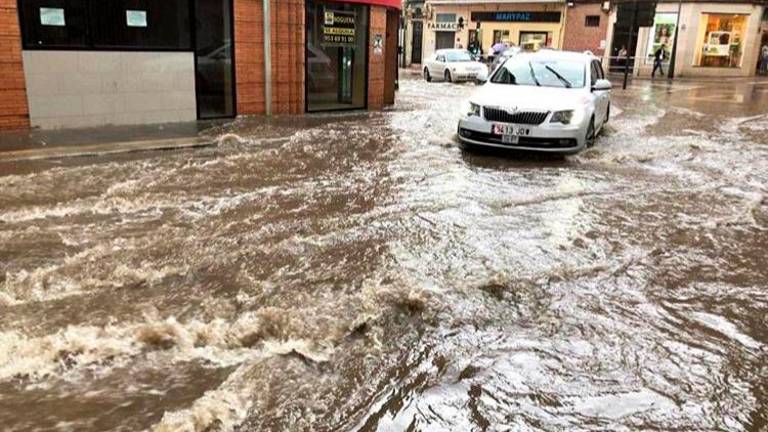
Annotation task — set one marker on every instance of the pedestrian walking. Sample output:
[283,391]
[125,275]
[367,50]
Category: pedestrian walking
[658,60]
[764,60]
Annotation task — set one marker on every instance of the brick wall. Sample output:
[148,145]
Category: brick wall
[578,37]
[249,56]
[376,65]
[14,113]
[287,56]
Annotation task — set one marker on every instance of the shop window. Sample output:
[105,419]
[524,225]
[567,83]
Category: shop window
[500,36]
[54,23]
[100,24]
[533,41]
[592,21]
[336,56]
[140,24]
[721,43]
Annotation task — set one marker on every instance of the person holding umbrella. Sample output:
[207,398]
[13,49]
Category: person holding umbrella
[496,49]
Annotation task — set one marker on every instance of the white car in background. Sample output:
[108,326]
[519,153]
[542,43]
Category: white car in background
[453,65]
[549,101]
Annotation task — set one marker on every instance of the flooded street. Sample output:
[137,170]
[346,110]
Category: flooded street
[360,272]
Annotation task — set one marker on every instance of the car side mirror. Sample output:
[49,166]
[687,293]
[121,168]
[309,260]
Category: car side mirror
[602,85]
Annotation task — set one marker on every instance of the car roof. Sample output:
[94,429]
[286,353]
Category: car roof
[447,50]
[558,55]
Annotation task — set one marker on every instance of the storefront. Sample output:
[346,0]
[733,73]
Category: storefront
[531,25]
[77,63]
[337,55]
[713,39]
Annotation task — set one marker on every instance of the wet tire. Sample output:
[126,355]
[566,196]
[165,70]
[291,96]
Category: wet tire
[591,136]
[448,76]
[427,76]
[468,147]
[607,114]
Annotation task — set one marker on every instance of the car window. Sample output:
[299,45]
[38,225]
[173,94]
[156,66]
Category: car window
[595,75]
[541,72]
[441,59]
[600,69]
[458,56]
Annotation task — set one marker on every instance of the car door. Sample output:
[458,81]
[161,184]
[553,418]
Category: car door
[440,65]
[429,63]
[600,97]
[434,65]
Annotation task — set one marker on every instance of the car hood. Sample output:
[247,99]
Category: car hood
[529,97]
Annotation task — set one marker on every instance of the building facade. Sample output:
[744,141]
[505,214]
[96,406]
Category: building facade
[413,31]
[77,63]
[586,26]
[714,39]
[463,23]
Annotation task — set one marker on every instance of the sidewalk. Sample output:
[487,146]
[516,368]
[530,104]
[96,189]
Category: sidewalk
[617,76]
[38,144]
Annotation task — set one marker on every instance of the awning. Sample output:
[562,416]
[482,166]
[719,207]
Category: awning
[397,4]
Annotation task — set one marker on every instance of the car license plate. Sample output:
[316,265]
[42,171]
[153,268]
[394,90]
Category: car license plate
[510,134]
[510,139]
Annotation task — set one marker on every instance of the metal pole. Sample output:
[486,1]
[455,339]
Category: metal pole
[629,44]
[267,59]
[673,58]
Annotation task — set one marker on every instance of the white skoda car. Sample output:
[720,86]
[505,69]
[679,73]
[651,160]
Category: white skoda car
[549,101]
[454,65]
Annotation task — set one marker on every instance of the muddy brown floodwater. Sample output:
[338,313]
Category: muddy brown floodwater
[362,273]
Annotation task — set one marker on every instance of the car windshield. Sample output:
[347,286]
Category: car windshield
[543,73]
[457,56]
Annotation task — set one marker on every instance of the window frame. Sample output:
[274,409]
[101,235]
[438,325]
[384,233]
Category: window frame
[24,29]
[445,15]
[591,25]
[90,45]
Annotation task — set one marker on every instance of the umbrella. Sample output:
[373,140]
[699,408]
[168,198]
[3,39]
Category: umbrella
[499,47]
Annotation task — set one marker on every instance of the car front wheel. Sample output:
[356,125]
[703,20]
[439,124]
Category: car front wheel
[448,76]
[427,76]
[590,138]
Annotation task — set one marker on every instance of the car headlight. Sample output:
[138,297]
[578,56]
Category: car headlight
[563,117]
[473,109]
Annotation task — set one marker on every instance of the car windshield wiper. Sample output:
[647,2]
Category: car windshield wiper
[560,77]
[533,74]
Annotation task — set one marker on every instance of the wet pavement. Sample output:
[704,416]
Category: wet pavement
[361,272]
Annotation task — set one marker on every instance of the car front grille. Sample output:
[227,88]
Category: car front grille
[522,117]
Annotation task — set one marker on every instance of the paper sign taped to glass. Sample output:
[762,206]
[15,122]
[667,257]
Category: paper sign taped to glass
[136,18]
[52,17]
[339,29]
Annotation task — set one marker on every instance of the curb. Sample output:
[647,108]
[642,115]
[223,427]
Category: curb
[103,149]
